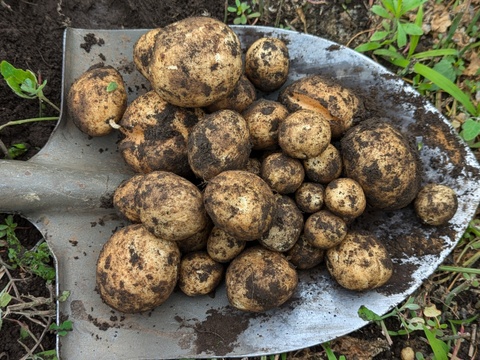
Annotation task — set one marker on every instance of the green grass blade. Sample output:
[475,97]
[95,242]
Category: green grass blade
[434,53]
[440,349]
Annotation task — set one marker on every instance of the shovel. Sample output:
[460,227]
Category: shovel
[66,192]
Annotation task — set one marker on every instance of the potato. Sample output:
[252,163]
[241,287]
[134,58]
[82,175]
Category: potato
[286,227]
[304,134]
[304,255]
[195,62]
[345,198]
[436,204]
[267,63]
[199,274]
[260,279]
[124,198]
[254,166]
[385,164]
[97,99]
[242,96]
[143,49]
[325,167]
[223,247]
[155,135]
[323,95]
[136,271]
[197,241]
[219,142]
[282,173]
[360,262]
[325,230]
[240,203]
[170,206]
[263,118]
[309,197]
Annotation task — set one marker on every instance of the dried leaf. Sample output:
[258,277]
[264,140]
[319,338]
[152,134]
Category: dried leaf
[474,66]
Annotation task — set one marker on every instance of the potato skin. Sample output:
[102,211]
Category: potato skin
[136,271]
[345,197]
[199,274]
[223,247]
[143,49]
[325,167]
[309,197]
[304,255]
[242,96]
[259,279]
[325,230]
[92,106]
[282,173]
[124,198]
[436,204]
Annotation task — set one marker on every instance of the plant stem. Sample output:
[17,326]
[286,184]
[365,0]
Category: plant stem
[459,269]
[43,98]
[23,121]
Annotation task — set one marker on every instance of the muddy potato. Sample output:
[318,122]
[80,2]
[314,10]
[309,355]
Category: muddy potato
[170,206]
[240,203]
[260,279]
[286,227]
[219,142]
[282,173]
[155,135]
[124,198]
[195,62]
[136,271]
[197,241]
[304,134]
[345,198]
[436,204]
[304,255]
[360,262]
[242,96]
[309,197]
[223,247]
[325,167]
[267,63]
[199,274]
[263,118]
[324,230]
[384,162]
[254,166]
[143,49]
[97,99]
[323,95]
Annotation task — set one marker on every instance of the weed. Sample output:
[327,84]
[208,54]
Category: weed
[17,150]
[244,12]
[63,328]
[329,352]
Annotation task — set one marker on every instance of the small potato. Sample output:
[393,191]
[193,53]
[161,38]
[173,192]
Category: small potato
[309,197]
[197,241]
[286,227]
[218,142]
[345,197]
[242,96]
[436,204]
[240,203]
[325,167]
[199,274]
[267,63]
[260,279]
[124,198]
[223,247]
[304,255]
[325,230]
[304,134]
[136,271]
[360,262]
[254,166]
[143,49]
[282,173]
[170,206]
[97,99]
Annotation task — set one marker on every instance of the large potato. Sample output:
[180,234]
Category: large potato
[195,62]
[136,271]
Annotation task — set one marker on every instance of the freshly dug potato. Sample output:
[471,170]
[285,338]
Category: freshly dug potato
[304,255]
[155,135]
[254,166]
[170,206]
[325,230]
[282,173]
[345,198]
[97,99]
[124,198]
[223,247]
[143,49]
[309,197]
[267,63]
[239,99]
[260,279]
[360,262]
[199,274]
[263,118]
[219,142]
[304,134]
[436,204]
[240,203]
[136,271]
[325,167]
[323,95]
[385,164]
[195,62]
[197,241]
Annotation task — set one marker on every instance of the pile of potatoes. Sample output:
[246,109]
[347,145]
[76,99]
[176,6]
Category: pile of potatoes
[232,187]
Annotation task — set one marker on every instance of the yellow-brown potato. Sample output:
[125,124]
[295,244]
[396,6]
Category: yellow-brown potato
[309,197]
[325,230]
[325,167]
[223,247]
[260,279]
[195,62]
[143,49]
[97,99]
[345,197]
[360,262]
[254,166]
[242,96]
[197,241]
[124,198]
[199,274]
[136,271]
[436,204]
[282,173]
[304,255]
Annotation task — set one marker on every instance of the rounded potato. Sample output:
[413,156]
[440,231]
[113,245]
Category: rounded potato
[325,230]
[96,99]
[195,62]
[345,198]
[360,262]
[143,49]
[197,241]
[239,99]
[223,247]
[304,255]
[436,204]
[309,197]
[136,271]
[260,279]
[199,274]
[124,198]
[282,173]
[325,167]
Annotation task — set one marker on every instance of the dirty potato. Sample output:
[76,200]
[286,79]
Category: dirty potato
[197,241]
[325,167]
[304,255]
[282,173]
[124,198]
[199,274]
[309,197]
[325,230]
[345,198]
[223,247]
[436,204]
[242,96]
[143,49]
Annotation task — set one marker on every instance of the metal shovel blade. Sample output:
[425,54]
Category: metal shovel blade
[66,190]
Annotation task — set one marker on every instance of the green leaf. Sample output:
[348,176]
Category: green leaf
[388,53]
[232,9]
[434,53]
[379,35]
[22,82]
[112,86]
[401,36]
[369,46]
[440,348]
[5,299]
[412,29]
[470,129]
[254,15]
[380,11]
[445,67]
[368,315]
[389,5]
[408,5]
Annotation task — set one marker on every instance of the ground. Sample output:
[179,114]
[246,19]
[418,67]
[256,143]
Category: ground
[32,36]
